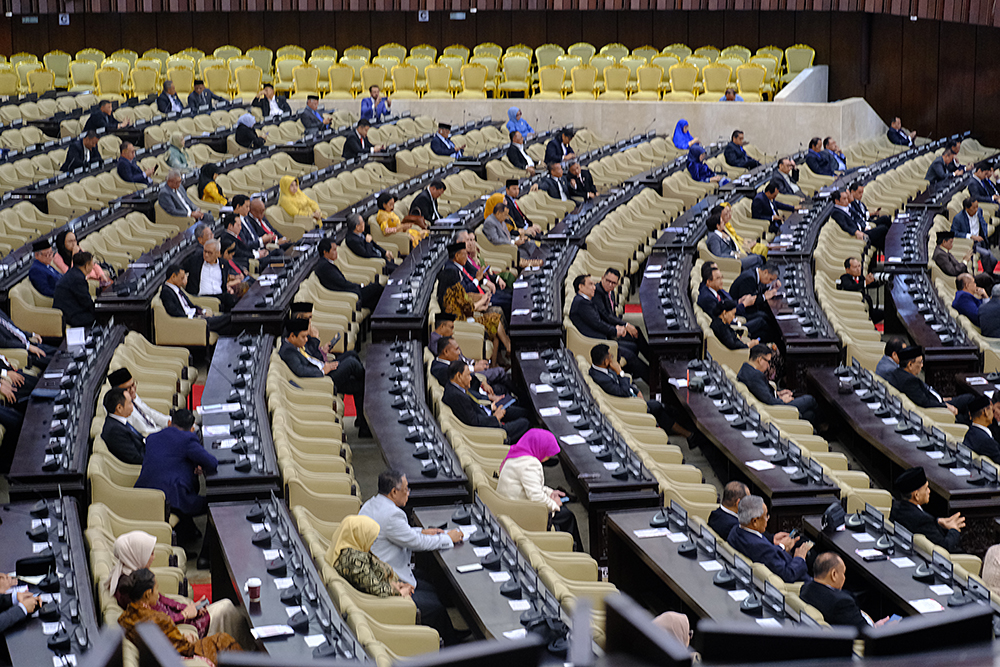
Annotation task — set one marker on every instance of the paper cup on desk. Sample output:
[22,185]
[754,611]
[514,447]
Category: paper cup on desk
[253,589]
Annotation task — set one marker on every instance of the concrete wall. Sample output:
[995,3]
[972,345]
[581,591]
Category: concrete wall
[779,128]
[811,85]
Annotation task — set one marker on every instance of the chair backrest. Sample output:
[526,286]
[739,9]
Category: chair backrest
[424,51]
[305,79]
[750,78]
[716,77]
[474,77]
[633,63]
[358,52]
[774,51]
[683,76]
[285,65]
[546,54]
[488,49]
[457,50]
[664,62]
[209,61]
[262,57]
[645,52]
[799,57]
[341,77]
[682,51]
[159,55]
[291,50]
[41,81]
[58,61]
[193,53]
[438,78]
[183,79]
[386,62]
[583,51]
[769,63]
[550,79]
[126,54]
[515,67]
[217,79]
[237,62]
[616,78]
[228,51]
[393,49]
[454,63]
[649,78]
[615,50]
[83,73]
[372,75]
[491,64]
[599,62]
[404,77]
[709,52]
[584,78]
[742,52]
[730,61]
[109,80]
[144,80]
[23,68]
[568,62]
[93,55]
[354,63]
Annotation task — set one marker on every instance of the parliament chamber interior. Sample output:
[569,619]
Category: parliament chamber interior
[560,333]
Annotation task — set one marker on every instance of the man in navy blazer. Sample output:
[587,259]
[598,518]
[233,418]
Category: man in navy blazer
[82,152]
[825,593]
[817,160]
[442,145]
[752,375]
[834,156]
[736,155]
[481,413]
[749,540]
[72,294]
[123,440]
[968,298]
[898,136]
[725,517]
[904,378]
[765,206]
[589,321]
[559,150]
[129,171]
[969,224]
[941,168]
[42,274]
[711,294]
[102,119]
[979,438]
[981,188]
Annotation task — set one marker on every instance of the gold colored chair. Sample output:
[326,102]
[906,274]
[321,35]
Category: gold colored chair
[473,82]
[650,79]
[515,75]
[404,82]
[58,63]
[583,51]
[615,50]
[615,83]
[750,80]
[584,80]
[798,58]
[394,50]
[358,53]
[683,77]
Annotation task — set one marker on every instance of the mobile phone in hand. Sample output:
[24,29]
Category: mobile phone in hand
[202,603]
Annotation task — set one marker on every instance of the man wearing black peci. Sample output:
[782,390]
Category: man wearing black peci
[912,491]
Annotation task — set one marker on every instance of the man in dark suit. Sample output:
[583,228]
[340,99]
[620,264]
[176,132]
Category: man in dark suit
[912,490]
[332,278]
[778,557]
[834,156]
[478,412]
[200,96]
[449,352]
[711,293]
[761,282]
[786,178]
[518,156]
[177,304]
[15,608]
[970,224]
[41,273]
[516,219]
[128,170]
[13,337]
[126,443]
[942,256]
[233,234]
[208,275]
[844,217]
[175,201]
[559,150]
[825,593]
[587,318]
[262,226]
[168,101]
[875,225]
[989,316]
[361,244]
[606,372]
[721,326]
[765,206]
[553,184]
[269,103]
[425,203]
[817,160]
[357,142]
[606,302]
[853,281]
[580,182]
[82,152]
[736,155]
[752,376]
[968,297]
[904,378]
[941,168]
[72,295]
[980,187]
[442,145]
[102,119]
[898,136]
[725,517]
[174,460]
[979,438]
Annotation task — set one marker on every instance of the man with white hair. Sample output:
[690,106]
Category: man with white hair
[748,539]
[175,201]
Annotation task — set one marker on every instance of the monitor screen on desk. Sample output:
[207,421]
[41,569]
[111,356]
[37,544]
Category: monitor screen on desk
[873,517]
[903,536]
[794,452]
[708,540]
[978,590]
[938,435]
[774,599]
[742,571]
[989,471]
[964,456]
[678,514]
[895,404]
[942,566]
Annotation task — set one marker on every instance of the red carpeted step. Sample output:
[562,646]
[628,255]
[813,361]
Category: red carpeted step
[195,396]
[199,591]
[633,308]
[349,409]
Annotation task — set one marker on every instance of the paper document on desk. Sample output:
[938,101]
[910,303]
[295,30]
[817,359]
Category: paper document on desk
[710,565]
[312,641]
[542,388]
[529,356]
[902,563]
[643,533]
[941,589]
[760,465]
[680,383]
[520,311]
[215,429]
[549,412]
[864,538]
[572,439]
[974,381]
[769,622]
[218,407]
[500,577]
[926,605]
[739,596]
[516,634]
[519,605]
[269,631]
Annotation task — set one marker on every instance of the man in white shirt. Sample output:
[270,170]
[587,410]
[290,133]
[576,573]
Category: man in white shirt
[177,304]
[144,419]
[786,185]
[517,155]
[397,541]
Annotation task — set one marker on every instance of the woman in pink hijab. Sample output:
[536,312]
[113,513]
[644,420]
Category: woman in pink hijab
[521,478]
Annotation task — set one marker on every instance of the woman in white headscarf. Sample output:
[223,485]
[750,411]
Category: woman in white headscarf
[246,136]
[177,155]
[134,551]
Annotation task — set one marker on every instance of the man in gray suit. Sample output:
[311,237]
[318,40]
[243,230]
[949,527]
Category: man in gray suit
[174,201]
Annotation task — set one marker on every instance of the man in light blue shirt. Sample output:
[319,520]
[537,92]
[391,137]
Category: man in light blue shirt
[397,541]
[730,95]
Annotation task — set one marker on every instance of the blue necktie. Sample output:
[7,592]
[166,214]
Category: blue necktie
[132,428]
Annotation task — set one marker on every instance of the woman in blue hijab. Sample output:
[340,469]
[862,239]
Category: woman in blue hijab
[697,168]
[518,124]
[683,138]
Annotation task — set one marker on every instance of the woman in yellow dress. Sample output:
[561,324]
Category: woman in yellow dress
[390,223]
[295,202]
[208,189]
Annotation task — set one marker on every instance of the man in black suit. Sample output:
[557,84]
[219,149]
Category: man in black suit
[425,203]
[834,156]
[129,170]
[516,219]
[904,378]
[605,301]
[332,278]
[518,156]
[72,294]
[898,136]
[845,218]
[449,352]
[979,438]
[168,101]
[102,119]
[13,337]
[233,234]
[262,226]
[177,304]
[817,160]
[711,293]
[765,206]
[553,184]
[472,411]
[853,281]
[724,517]
[82,152]
[752,376]
[360,243]
[269,104]
[357,141]
[761,282]
[580,182]
[736,155]
[981,188]
[825,593]
[875,224]
[941,168]
[252,240]
[587,318]
[606,372]
[725,312]
[989,315]
[912,490]
[126,443]
[208,275]
[200,96]
[559,149]
[786,178]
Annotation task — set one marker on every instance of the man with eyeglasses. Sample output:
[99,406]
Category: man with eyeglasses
[42,274]
[607,306]
[752,375]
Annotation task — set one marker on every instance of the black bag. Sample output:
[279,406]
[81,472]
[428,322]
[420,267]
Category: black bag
[555,633]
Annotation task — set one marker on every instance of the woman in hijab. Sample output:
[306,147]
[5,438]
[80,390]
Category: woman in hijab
[518,124]
[350,555]
[142,594]
[521,478]
[389,221]
[697,168]
[679,627]
[682,138]
[208,189]
[246,136]
[177,155]
[294,201]
[66,247]
[134,551]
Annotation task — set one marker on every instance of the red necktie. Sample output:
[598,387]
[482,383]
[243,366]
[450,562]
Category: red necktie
[472,280]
